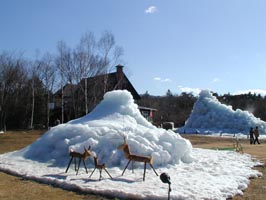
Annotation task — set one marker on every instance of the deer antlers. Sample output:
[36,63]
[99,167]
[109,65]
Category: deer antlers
[81,156]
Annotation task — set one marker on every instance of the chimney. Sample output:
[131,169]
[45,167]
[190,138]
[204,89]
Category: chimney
[119,76]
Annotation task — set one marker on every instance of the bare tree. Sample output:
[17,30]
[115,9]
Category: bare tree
[48,76]
[12,86]
[84,57]
[5,62]
[89,58]
[33,75]
[65,62]
[93,58]
[110,55]
[60,62]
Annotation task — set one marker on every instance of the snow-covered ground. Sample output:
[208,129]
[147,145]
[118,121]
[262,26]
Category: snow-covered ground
[195,173]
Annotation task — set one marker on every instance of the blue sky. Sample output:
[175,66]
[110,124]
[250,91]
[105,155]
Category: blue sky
[181,45]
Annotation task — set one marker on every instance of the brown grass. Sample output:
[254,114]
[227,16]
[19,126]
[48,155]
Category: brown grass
[13,187]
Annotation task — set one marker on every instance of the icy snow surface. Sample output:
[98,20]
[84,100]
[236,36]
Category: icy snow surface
[195,173]
[210,116]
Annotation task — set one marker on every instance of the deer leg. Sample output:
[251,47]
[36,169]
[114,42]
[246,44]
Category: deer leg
[107,173]
[75,163]
[85,166]
[78,166]
[69,163]
[132,166]
[100,174]
[154,170]
[126,167]
[144,171]
[92,172]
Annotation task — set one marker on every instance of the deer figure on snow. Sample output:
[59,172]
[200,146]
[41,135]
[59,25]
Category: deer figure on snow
[100,167]
[136,158]
[81,156]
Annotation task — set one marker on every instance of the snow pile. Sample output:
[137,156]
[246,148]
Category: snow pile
[103,129]
[210,116]
[209,175]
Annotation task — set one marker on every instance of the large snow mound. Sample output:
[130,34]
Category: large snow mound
[103,129]
[212,174]
[210,116]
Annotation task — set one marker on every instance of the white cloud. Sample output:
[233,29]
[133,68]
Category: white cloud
[194,91]
[151,10]
[215,80]
[157,79]
[167,80]
[162,80]
[252,91]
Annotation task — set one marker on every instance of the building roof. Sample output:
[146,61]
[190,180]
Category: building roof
[100,84]
[147,108]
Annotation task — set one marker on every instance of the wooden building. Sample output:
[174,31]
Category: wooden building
[97,86]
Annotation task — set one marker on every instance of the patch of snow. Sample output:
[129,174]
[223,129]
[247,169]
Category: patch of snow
[195,173]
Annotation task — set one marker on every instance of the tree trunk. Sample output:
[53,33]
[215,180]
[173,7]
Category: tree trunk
[1,120]
[48,110]
[86,96]
[62,105]
[32,105]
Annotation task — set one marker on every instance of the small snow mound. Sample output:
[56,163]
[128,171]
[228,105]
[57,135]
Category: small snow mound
[210,116]
[103,129]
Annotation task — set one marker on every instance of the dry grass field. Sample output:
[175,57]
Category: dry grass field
[13,187]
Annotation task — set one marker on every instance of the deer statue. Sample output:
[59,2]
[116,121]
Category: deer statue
[137,158]
[80,156]
[100,167]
